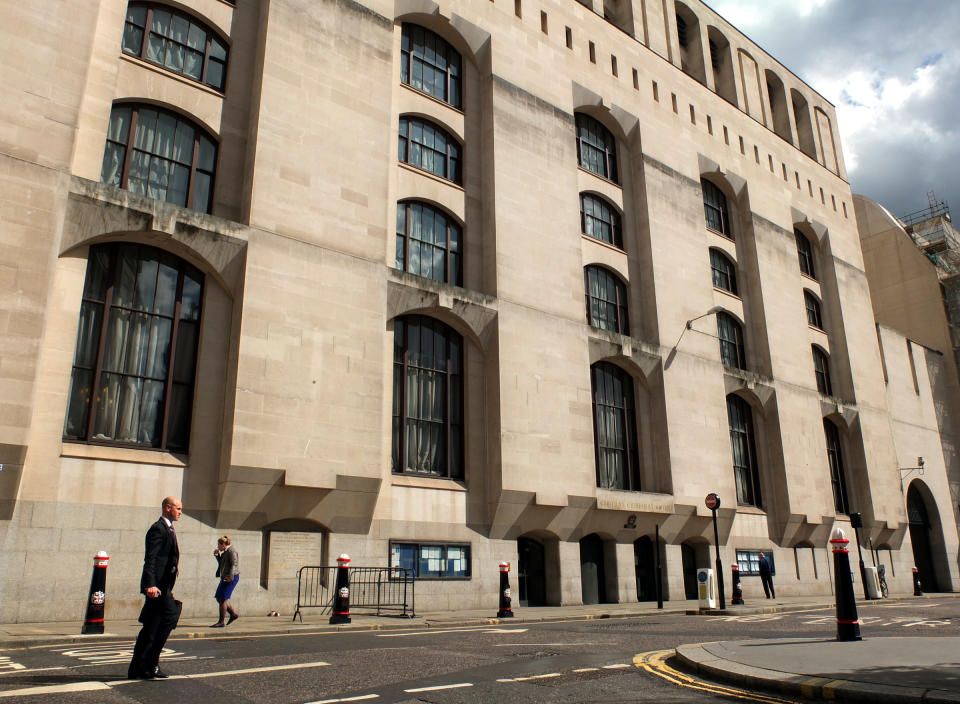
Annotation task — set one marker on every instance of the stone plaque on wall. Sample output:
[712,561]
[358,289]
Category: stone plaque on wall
[289,551]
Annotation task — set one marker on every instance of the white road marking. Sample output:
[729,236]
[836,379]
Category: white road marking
[588,669]
[7,663]
[619,666]
[435,631]
[99,686]
[538,677]
[439,687]
[360,698]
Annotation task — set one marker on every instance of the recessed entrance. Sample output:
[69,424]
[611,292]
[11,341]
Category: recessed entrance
[531,573]
[592,577]
[645,564]
[922,536]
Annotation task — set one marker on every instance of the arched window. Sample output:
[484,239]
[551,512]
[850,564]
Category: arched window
[744,446]
[614,428]
[715,209]
[178,42]
[821,368]
[724,271]
[805,254]
[428,243]
[600,220]
[429,64]
[814,317]
[596,148]
[157,153]
[838,480]
[730,332]
[606,300]
[135,359]
[429,147]
[427,398]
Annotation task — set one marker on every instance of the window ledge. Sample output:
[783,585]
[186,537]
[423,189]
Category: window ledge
[432,98]
[602,178]
[431,176]
[729,238]
[751,510]
[170,74]
[132,455]
[427,482]
[725,292]
[607,245]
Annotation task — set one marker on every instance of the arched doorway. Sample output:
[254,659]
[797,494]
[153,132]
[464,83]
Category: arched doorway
[531,572]
[645,565]
[592,577]
[689,559]
[920,537]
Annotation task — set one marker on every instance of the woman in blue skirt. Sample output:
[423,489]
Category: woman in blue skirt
[228,570]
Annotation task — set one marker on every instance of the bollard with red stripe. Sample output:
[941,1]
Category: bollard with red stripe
[93,621]
[848,624]
[505,611]
[917,587]
[737,589]
[341,597]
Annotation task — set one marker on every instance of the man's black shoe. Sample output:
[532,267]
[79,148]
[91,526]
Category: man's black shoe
[138,674]
[159,674]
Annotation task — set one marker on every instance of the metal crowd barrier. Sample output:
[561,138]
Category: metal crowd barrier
[389,589]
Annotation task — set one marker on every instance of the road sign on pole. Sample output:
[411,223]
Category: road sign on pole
[712,502]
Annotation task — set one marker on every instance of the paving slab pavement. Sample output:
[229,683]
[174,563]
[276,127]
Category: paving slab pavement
[879,670]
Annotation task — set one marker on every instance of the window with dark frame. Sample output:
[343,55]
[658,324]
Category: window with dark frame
[821,369]
[429,64]
[596,148]
[177,42]
[432,560]
[159,154]
[724,271]
[614,428]
[428,243]
[427,398]
[730,333]
[136,352]
[749,562]
[600,220]
[805,254]
[427,146]
[606,297]
[838,480]
[715,209]
[744,447]
[814,316]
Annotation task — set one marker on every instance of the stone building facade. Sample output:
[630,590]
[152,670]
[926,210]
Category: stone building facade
[434,284]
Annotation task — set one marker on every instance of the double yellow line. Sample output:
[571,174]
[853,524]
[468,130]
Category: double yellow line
[655,663]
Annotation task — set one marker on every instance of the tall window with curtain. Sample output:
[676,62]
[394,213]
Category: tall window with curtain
[838,480]
[428,243]
[600,220]
[135,359]
[429,64]
[814,315]
[176,41]
[614,428]
[596,148]
[821,369]
[427,398]
[429,147]
[715,209]
[744,446]
[606,297]
[805,254]
[724,271]
[160,154]
[732,351]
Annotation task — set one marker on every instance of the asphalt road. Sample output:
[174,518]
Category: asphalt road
[571,661]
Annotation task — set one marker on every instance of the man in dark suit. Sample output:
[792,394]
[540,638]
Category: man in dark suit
[766,576]
[160,611]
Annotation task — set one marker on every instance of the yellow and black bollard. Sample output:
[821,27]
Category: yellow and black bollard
[505,611]
[93,621]
[848,623]
[341,596]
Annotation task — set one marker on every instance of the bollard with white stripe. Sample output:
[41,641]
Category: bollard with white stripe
[341,597]
[505,610]
[848,623]
[93,621]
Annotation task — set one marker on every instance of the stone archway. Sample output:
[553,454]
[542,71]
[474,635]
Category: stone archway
[926,537]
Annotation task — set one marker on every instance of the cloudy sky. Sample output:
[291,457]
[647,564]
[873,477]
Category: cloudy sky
[892,69]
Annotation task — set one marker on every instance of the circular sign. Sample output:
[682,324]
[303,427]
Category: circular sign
[702,577]
[712,501]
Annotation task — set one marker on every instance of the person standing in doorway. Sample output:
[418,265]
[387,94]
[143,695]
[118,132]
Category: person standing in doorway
[766,576]
[161,611]
[228,570]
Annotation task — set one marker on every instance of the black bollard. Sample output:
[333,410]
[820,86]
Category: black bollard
[93,621]
[737,589]
[848,624]
[917,591]
[505,611]
[341,597]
